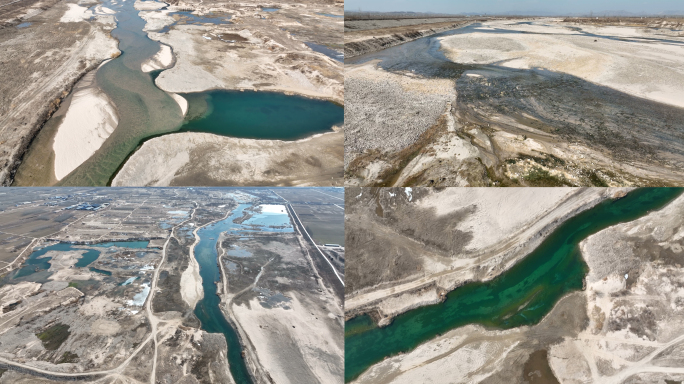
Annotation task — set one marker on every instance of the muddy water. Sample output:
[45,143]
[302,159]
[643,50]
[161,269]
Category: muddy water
[523,295]
[208,310]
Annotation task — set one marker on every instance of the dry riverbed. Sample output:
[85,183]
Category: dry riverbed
[505,107]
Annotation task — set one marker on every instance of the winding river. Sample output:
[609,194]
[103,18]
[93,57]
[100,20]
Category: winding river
[523,295]
[146,111]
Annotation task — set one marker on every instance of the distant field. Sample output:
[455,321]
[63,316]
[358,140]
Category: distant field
[321,210]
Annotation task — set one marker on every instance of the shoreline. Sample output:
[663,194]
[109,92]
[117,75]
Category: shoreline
[433,289]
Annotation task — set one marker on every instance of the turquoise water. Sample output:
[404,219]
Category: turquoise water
[270,9]
[259,115]
[523,295]
[207,310]
[36,262]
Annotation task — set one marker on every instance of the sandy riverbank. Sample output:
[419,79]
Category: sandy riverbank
[161,60]
[91,118]
[191,281]
[40,67]
[191,158]
[469,241]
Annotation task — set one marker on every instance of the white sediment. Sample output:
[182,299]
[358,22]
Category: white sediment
[273,208]
[90,120]
[182,103]
[149,5]
[160,60]
[75,13]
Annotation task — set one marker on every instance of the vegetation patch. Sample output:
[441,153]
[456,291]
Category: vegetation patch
[54,336]
[541,177]
[68,357]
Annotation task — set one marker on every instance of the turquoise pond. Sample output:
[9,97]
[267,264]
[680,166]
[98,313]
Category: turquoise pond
[259,115]
[39,262]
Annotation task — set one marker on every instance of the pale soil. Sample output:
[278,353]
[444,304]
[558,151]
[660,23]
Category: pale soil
[498,227]
[10,294]
[191,281]
[161,60]
[627,326]
[39,66]
[477,136]
[263,57]
[645,69]
[89,121]
[473,354]
[286,338]
[191,158]
[635,303]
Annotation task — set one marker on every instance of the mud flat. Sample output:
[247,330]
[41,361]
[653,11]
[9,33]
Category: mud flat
[192,158]
[510,113]
[40,64]
[442,248]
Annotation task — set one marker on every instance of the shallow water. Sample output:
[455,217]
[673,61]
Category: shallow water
[330,15]
[331,53]
[259,115]
[39,262]
[523,295]
[144,110]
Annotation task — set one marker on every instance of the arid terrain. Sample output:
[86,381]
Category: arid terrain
[624,326]
[104,285]
[515,102]
[103,129]
[46,47]
[411,245]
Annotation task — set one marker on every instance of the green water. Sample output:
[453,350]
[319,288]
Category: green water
[39,262]
[144,110]
[259,115]
[523,295]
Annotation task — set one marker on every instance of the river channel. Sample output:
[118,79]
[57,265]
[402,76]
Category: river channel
[523,295]
[146,111]
[208,310]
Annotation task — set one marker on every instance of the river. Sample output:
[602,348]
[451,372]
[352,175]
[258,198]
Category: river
[522,295]
[146,111]
[208,310]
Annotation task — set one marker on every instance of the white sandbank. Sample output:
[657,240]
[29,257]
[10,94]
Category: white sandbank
[90,120]
[272,208]
[75,13]
[160,60]
[149,5]
[182,103]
